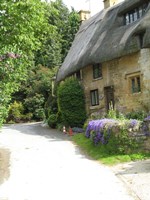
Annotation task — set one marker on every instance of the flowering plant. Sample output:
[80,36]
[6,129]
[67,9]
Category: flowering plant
[147,118]
[100,130]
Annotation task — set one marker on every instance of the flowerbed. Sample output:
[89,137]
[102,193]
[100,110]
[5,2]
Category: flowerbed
[100,130]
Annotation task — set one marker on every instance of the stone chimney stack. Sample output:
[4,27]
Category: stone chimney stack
[109,3]
[84,15]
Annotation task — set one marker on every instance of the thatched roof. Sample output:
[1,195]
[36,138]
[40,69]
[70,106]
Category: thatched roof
[104,37]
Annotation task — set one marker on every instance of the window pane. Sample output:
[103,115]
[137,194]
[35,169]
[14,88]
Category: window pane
[94,98]
[140,12]
[135,15]
[127,19]
[133,85]
[145,7]
[138,84]
[78,75]
[97,71]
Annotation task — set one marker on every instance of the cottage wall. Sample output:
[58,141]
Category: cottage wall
[118,74]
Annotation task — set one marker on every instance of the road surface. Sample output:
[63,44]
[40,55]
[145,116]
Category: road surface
[46,165]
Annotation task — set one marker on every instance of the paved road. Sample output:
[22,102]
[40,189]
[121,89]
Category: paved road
[46,165]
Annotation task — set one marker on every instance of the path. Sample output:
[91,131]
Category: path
[46,165]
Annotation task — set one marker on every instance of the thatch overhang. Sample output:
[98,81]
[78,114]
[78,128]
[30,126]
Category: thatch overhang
[104,37]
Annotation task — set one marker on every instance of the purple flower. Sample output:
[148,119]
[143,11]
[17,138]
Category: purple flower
[133,123]
[97,129]
[147,118]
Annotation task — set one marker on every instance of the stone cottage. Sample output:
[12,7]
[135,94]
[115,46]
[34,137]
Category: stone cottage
[110,55]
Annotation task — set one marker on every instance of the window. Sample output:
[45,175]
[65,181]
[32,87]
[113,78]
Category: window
[78,75]
[135,84]
[94,97]
[135,14]
[97,71]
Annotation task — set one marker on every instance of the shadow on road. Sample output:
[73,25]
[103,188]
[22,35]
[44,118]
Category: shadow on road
[38,129]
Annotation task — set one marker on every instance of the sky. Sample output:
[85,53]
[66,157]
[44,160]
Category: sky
[93,5]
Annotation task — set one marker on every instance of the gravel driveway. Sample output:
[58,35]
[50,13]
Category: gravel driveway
[46,165]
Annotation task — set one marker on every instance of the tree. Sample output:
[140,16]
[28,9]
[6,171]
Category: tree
[64,24]
[41,33]
[71,28]
[12,71]
[22,24]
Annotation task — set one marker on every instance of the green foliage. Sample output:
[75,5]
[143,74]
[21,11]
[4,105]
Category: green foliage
[16,113]
[35,106]
[49,55]
[71,102]
[107,157]
[112,114]
[139,115]
[52,120]
[12,71]
[22,24]
[38,82]
[16,110]
[67,24]
[121,143]
[40,33]
[70,29]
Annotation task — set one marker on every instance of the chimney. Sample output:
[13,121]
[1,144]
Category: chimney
[109,3]
[84,15]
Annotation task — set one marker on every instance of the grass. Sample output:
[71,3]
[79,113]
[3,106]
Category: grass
[100,153]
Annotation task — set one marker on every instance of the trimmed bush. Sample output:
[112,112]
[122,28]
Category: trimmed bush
[71,103]
[52,120]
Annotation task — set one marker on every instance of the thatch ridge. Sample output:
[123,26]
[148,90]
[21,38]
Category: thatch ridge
[104,37]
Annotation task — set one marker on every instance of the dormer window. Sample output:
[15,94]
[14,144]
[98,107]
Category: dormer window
[133,15]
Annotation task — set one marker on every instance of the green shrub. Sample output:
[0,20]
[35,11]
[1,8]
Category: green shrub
[3,114]
[52,120]
[115,135]
[27,117]
[34,105]
[139,115]
[50,106]
[15,113]
[71,103]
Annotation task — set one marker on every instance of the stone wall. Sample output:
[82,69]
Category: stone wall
[118,73]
